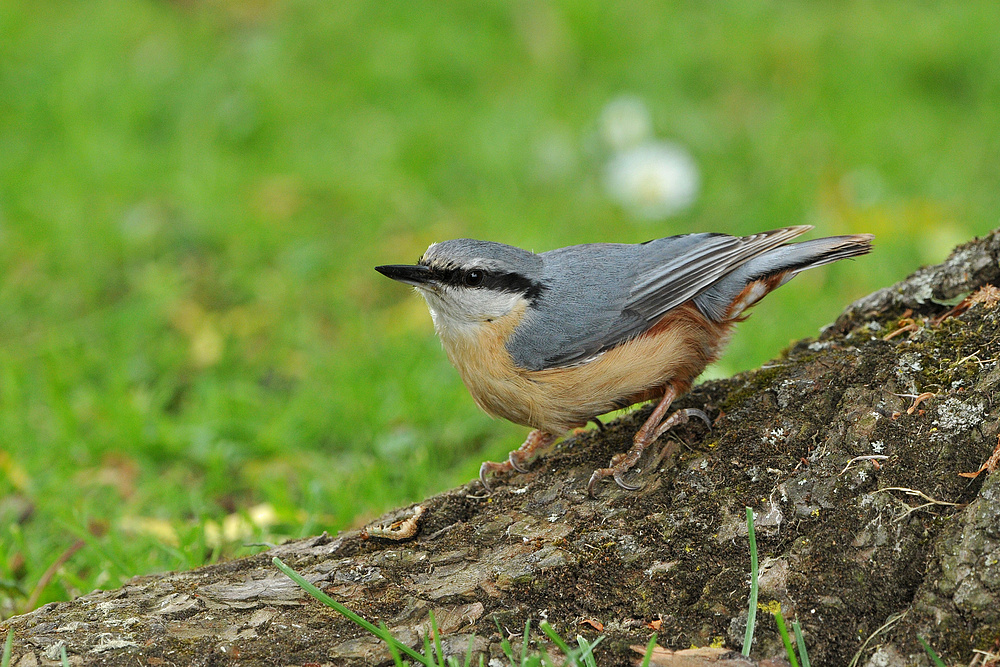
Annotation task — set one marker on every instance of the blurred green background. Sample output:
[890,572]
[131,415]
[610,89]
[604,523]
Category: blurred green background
[195,353]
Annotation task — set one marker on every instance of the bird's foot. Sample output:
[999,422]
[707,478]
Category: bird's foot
[622,463]
[619,465]
[494,468]
[515,461]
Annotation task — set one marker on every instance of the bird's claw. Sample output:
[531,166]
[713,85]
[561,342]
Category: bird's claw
[695,412]
[483,469]
[515,464]
[612,472]
[598,475]
[537,439]
[512,463]
[625,485]
[488,467]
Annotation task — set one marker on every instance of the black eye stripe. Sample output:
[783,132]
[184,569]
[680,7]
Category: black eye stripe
[514,283]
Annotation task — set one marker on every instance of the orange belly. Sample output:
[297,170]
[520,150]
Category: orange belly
[672,352]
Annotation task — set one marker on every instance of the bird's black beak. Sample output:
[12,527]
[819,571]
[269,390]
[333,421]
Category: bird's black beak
[411,275]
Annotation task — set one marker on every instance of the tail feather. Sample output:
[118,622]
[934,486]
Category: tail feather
[749,283]
[817,252]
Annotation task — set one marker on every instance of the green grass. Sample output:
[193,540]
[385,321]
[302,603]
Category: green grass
[786,639]
[192,196]
[752,605]
[800,642]
[931,653]
[8,643]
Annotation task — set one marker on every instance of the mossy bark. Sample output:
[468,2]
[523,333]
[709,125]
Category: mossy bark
[857,561]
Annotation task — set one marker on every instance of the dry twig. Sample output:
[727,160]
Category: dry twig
[921,494]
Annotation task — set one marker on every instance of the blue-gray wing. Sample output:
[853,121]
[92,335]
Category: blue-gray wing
[598,295]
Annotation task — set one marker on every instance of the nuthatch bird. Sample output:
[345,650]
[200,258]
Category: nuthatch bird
[552,340]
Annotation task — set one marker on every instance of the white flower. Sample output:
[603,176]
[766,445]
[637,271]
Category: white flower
[625,122]
[653,180]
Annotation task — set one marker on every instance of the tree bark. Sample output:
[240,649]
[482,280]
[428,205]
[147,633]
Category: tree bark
[848,449]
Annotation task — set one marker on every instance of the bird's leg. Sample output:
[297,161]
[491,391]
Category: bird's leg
[537,439]
[621,463]
[653,428]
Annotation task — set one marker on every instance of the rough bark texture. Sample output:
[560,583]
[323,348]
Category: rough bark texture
[841,550]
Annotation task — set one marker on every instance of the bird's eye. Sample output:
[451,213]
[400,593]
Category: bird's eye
[475,277]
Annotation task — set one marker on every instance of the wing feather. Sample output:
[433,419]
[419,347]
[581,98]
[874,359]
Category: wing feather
[640,284]
[667,285]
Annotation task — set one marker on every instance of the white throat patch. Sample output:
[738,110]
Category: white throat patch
[459,311]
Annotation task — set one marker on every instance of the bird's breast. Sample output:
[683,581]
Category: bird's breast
[496,383]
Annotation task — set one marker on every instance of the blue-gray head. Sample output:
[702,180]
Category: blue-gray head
[467,283]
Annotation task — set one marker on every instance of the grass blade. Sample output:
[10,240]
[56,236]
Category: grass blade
[8,647]
[437,639]
[752,612]
[333,604]
[524,642]
[587,650]
[649,651]
[938,662]
[396,658]
[556,639]
[505,646]
[468,653]
[428,653]
[786,640]
[801,642]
